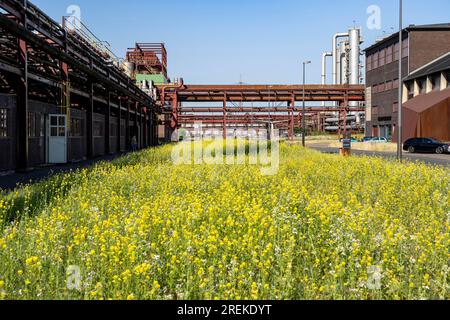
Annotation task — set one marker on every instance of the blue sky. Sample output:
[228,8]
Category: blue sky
[262,41]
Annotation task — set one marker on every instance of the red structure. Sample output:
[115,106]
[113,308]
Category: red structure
[148,58]
[285,115]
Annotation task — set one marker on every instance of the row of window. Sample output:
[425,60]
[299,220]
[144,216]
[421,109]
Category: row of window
[387,55]
[375,110]
[385,86]
[435,83]
[3,123]
[36,126]
[76,127]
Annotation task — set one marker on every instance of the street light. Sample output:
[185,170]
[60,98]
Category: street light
[304,107]
[400,87]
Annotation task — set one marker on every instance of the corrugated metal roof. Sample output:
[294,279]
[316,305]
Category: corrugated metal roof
[440,64]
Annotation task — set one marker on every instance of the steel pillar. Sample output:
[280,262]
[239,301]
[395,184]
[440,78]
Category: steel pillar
[108,124]
[224,125]
[119,127]
[174,122]
[22,161]
[90,123]
[127,128]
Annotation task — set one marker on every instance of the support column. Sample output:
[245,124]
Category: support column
[444,81]
[119,126]
[90,123]
[127,128]
[136,122]
[174,122]
[224,124]
[22,109]
[291,126]
[108,124]
[141,129]
[150,128]
[145,132]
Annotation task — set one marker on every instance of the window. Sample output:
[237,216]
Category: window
[98,129]
[422,83]
[396,51]
[395,84]
[31,125]
[375,110]
[389,54]
[113,130]
[435,82]
[410,90]
[447,76]
[3,123]
[405,47]
[395,107]
[369,63]
[388,85]
[375,89]
[384,119]
[375,61]
[382,57]
[39,125]
[76,127]
[382,87]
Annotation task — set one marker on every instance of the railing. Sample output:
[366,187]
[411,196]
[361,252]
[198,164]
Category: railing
[73,25]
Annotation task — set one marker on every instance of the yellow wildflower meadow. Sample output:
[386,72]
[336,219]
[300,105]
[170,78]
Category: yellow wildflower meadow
[323,227]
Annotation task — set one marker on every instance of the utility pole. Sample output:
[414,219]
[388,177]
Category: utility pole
[400,87]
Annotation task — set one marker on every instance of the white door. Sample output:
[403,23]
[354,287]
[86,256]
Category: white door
[57,139]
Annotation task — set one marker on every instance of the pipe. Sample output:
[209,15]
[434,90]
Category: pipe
[324,69]
[340,68]
[344,72]
[324,66]
[335,38]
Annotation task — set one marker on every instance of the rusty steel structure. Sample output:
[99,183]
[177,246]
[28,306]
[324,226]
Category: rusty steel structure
[231,98]
[148,58]
[42,60]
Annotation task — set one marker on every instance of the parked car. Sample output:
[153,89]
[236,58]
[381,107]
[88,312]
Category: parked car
[379,140]
[426,145]
[367,139]
[352,139]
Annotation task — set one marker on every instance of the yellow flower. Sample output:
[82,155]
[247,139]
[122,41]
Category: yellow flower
[32,261]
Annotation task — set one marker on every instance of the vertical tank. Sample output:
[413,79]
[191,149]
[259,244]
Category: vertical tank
[355,51]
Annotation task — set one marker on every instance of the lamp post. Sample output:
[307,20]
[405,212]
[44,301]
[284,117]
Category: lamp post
[304,106]
[400,87]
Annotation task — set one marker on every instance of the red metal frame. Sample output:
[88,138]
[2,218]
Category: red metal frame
[173,95]
[149,58]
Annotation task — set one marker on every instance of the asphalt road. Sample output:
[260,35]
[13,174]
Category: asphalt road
[428,158]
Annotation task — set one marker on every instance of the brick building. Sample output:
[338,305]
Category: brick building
[426,101]
[421,45]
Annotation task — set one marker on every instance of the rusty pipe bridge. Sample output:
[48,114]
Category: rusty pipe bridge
[229,103]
